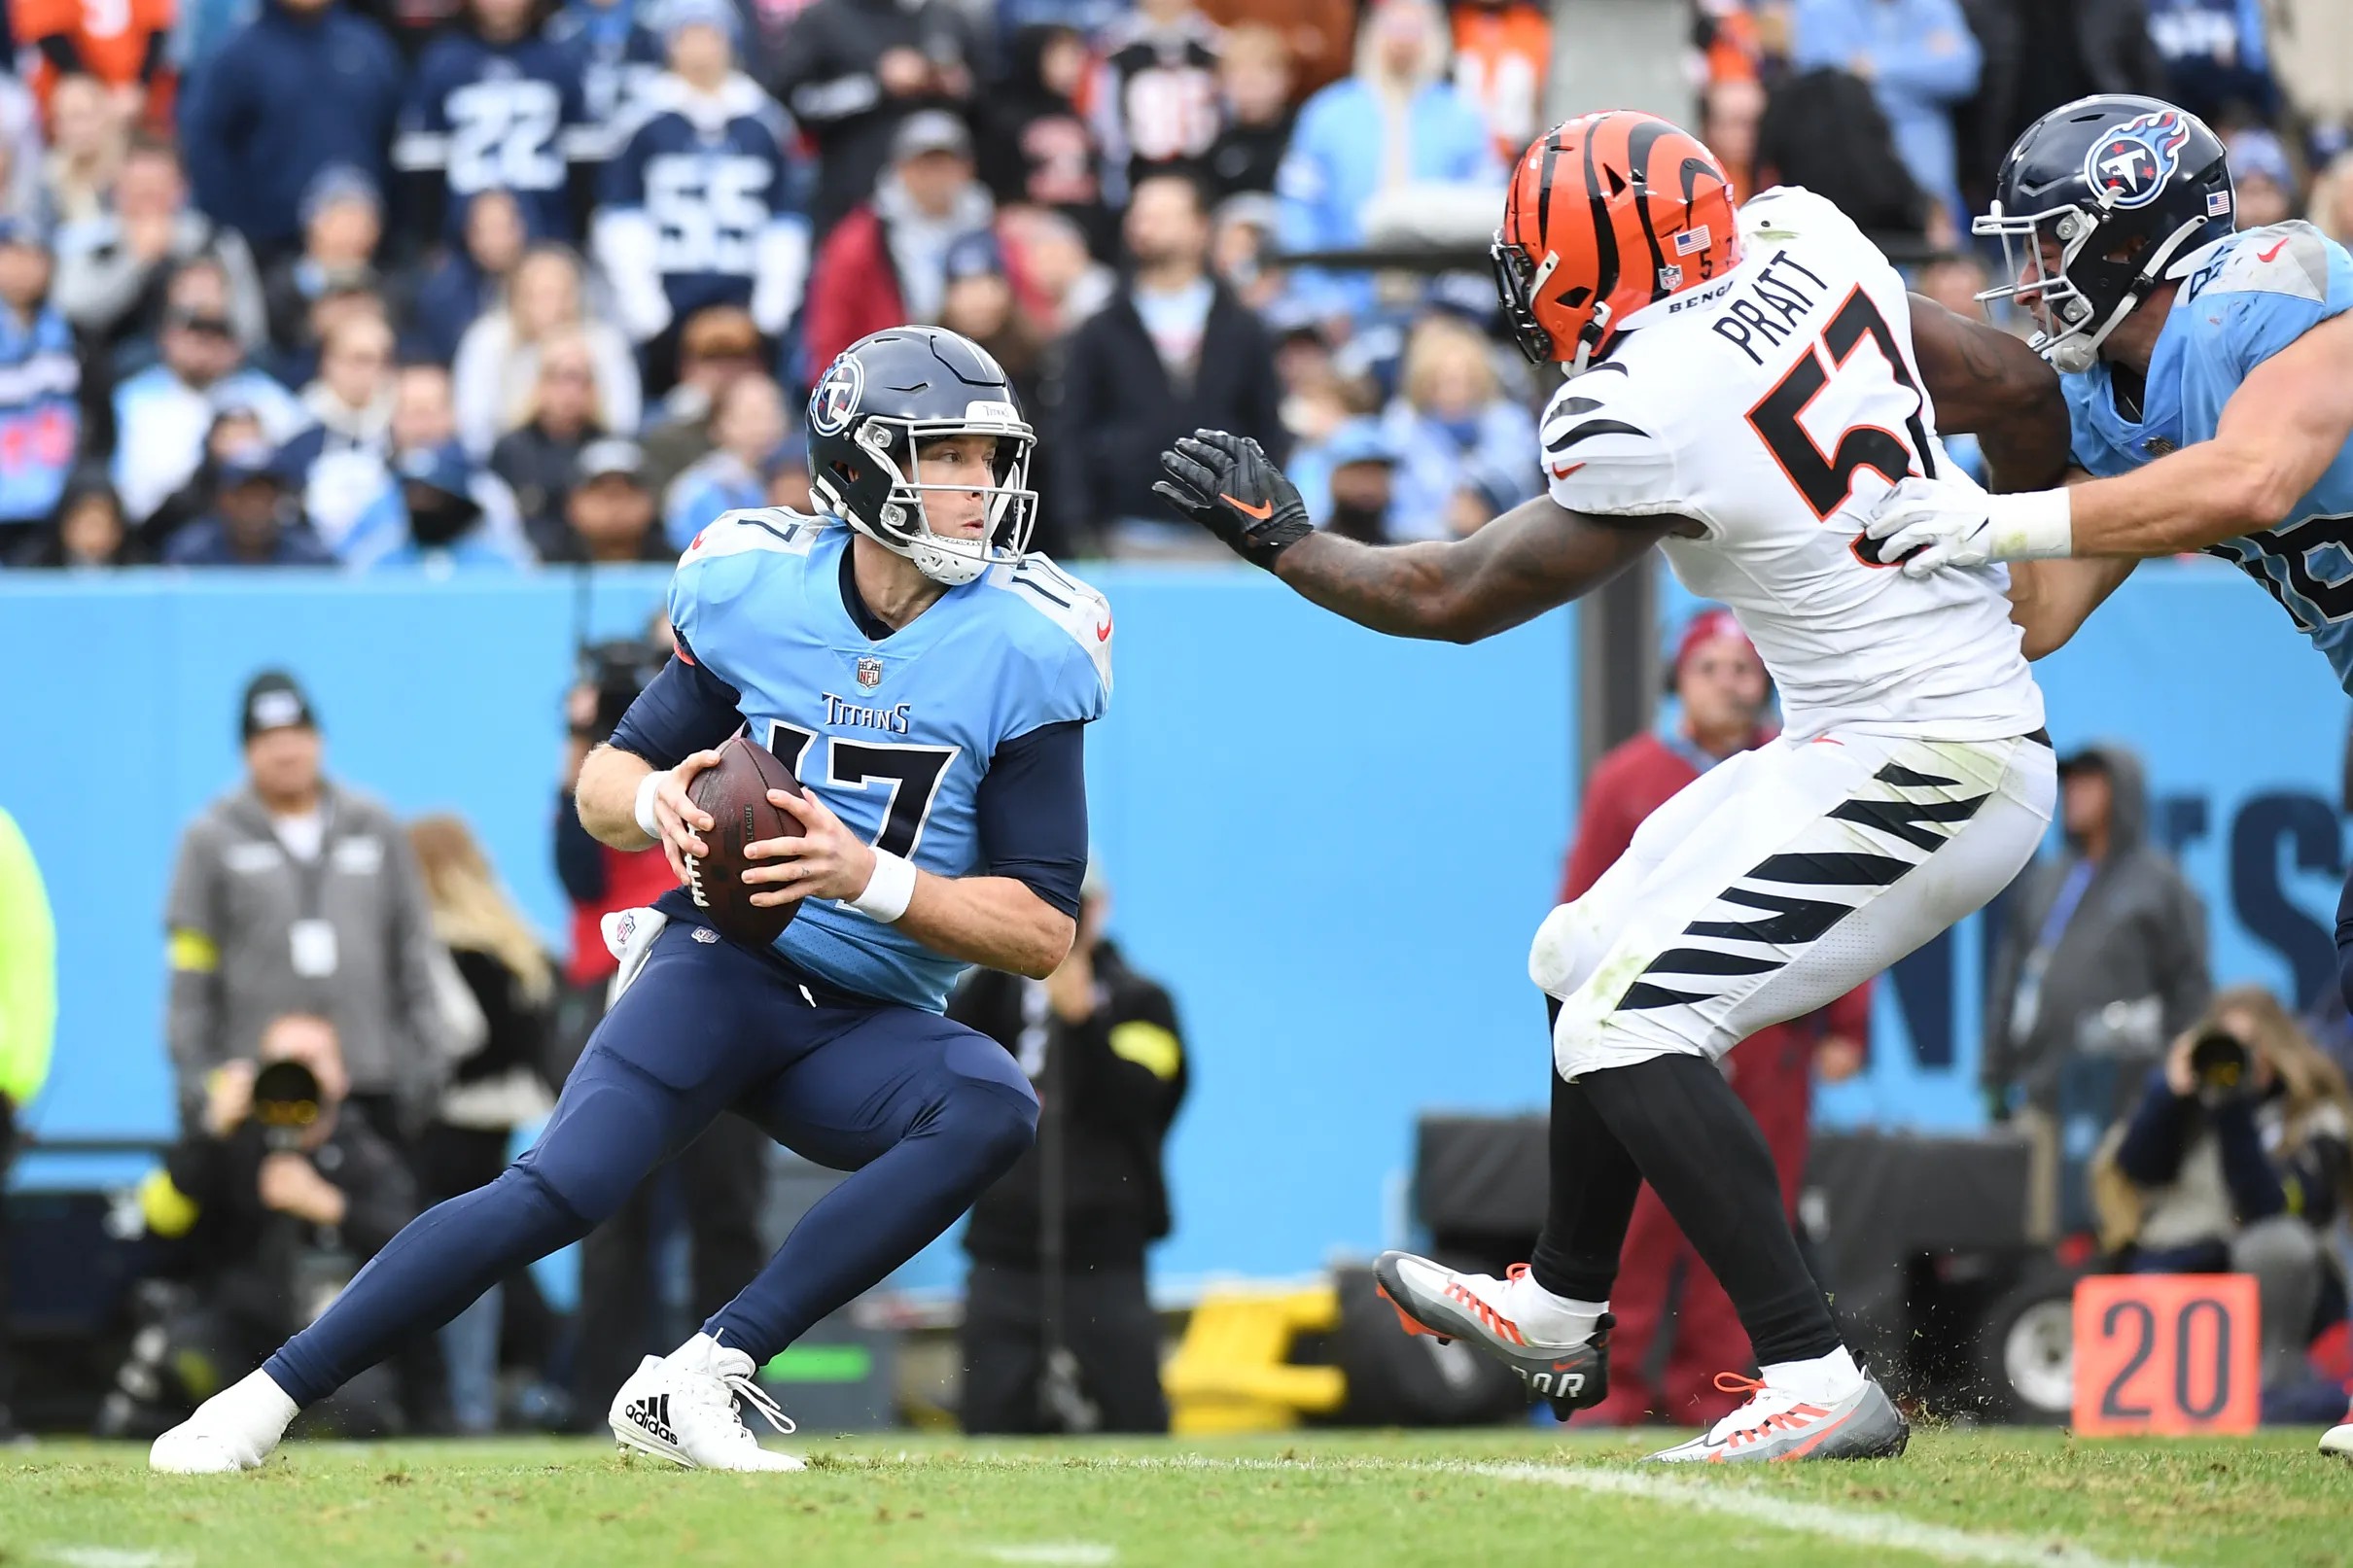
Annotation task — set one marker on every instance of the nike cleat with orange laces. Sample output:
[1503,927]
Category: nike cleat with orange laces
[1478,1309]
[1776,1425]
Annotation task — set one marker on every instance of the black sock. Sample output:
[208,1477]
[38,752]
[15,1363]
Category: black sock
[1701,1150]
[1595,1182]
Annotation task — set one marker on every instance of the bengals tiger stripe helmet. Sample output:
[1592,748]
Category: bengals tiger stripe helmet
[1607,213]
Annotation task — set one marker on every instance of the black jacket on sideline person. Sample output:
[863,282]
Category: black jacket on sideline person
[1123,1076]
[1116,407]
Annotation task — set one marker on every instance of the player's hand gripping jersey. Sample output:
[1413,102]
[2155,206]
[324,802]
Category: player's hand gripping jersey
[896,735]
[1777,406]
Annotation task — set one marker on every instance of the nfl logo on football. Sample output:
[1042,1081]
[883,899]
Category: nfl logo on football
[869,674]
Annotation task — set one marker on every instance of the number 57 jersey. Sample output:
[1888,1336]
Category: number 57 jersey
[1776,407]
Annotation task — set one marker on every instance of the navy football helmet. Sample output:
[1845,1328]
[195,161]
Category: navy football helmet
[2126,192]
[877,403]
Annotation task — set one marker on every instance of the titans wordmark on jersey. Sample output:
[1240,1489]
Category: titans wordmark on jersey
[894,735]
[2247,298]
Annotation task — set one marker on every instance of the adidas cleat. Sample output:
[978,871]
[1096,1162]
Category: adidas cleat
[1477,1308]
[2339,1439]
[682,1408]
[1776,1425]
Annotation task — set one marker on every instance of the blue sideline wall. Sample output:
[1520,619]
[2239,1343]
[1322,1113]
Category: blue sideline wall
[1332,845]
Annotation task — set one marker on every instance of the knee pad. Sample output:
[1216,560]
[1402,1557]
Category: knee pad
[1565,949]
[989,1100]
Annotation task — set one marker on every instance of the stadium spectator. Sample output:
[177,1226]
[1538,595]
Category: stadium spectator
[2331,208]
[716,345]
[161,414]
[89,532]
[1255,82]
[851,70]
[40,388]
[1156,93]
[1466,449]
[440,512]
[28,1021]
[494,104]
[1171,352]
[112,272]
[1396,121]
[1730,113]
[2102,960]
[2312,56]
[698,206]
[1352,473]
[1503,54]
[2218,60]
[1823,129]
[336,465]
[538,457]
[255,518]
[1678,1338]
[342,225]
[2261,177]
[328,916]
[1919,57]
[1060,282]
[747,426]
[980,303]
[498,1000]
[308,84]
[87,142]
[468,281]
[617,55]
[497,369]
[1242,238]
[1319,35]
[608,513]
[122,50]
[1036,146]
[1066,1228]
[886,263]
[266,1223]
[231,430]
[2237,1160]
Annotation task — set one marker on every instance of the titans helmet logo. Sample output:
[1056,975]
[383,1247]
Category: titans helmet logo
[833,400]
[2129,165]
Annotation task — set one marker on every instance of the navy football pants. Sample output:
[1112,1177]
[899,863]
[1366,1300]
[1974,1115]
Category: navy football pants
[926,1112]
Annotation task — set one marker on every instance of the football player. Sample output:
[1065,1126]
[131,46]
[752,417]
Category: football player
[1743,390]
[929,685]
[2209,381]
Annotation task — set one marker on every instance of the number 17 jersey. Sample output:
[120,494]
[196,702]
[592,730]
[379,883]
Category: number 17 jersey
[1775,406]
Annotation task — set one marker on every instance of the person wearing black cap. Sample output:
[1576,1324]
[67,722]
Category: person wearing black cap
[252,522]
[609,511]
[296,893]
[886,263]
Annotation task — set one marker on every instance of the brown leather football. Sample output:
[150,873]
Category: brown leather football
[735,792]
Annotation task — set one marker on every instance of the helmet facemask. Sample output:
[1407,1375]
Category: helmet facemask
[903,522]
[2086,297]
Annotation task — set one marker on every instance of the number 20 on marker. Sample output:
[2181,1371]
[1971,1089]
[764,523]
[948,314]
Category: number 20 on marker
[2166,1353]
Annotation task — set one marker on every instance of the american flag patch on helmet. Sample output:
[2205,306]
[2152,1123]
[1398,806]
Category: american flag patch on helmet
[1691,239]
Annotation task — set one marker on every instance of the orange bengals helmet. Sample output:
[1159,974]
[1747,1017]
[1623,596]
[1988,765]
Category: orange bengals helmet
[1607,213]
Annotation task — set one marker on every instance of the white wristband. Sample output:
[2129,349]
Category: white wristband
[645,788]
[889,890]
[2038,525]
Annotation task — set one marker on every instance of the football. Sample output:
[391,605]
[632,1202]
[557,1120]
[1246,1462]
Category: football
[734,791]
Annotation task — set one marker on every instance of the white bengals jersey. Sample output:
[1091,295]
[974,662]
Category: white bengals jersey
[1777,406]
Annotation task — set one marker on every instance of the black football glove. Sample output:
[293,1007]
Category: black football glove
[1229,486]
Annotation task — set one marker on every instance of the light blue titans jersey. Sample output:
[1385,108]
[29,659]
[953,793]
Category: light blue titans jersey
[893,736]
[2252,295]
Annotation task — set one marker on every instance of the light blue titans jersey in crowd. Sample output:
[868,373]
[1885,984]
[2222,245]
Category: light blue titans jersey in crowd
[893,736]
[2250,297]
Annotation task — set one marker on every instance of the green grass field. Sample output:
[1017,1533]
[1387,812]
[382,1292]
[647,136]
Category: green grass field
[1515,1497]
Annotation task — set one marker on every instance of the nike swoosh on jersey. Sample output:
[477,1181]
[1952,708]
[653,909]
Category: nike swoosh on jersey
[1262,511]
[1102,633]
[2271,254]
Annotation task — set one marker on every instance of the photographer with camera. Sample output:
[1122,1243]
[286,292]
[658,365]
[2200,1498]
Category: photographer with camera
[266,1208]
[714,1186]
[2239,1160]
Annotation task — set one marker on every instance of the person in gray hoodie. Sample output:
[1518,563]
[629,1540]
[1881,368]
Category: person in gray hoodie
[2102,960]
[295,894]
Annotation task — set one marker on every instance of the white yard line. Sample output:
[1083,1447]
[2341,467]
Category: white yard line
[1069,1554]
[1854,1526]
[110,1557]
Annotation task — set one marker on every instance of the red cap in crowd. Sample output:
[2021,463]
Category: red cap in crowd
[1708,626]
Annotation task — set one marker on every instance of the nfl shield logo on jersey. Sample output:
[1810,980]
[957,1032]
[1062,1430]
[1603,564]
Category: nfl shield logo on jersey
[834,398]
[2130,164]
[869,674]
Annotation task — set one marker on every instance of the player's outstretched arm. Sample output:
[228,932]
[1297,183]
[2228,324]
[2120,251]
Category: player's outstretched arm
[1986,383]
[1534,557]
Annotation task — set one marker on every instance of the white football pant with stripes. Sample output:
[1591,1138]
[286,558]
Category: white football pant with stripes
[1780,880]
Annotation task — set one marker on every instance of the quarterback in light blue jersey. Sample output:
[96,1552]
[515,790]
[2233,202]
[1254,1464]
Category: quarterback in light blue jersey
[930,683]
[2208,375]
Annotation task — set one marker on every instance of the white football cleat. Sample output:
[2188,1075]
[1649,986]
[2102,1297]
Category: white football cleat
[2339,1439]
[235,1429]
[1776,1425]
[682,1408]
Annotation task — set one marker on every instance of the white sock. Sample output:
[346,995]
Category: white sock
[1550,1319]
[1823,1380]
[256,1408]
